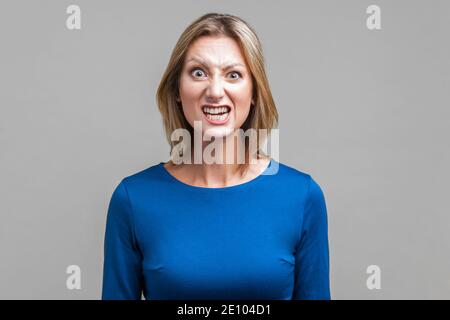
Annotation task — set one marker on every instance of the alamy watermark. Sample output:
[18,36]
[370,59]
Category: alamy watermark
[73,21]
[73,281]
[373,21]
[374,280]
[232,141]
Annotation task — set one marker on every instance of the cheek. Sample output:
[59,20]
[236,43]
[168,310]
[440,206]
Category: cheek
[242,113]
[188,90]
[243,92]
[243,98]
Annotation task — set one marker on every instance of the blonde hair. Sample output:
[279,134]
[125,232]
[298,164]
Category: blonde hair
[263,114]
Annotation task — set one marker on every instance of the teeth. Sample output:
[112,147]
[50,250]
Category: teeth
[217,117]
[215,110]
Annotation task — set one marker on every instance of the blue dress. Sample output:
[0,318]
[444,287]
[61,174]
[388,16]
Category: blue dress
[263,239]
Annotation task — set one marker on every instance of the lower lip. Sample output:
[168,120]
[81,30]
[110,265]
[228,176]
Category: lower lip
[217,121]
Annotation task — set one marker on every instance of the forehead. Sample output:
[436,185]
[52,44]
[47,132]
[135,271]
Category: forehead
[215,49]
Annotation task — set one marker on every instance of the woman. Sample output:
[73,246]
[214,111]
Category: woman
[219,229]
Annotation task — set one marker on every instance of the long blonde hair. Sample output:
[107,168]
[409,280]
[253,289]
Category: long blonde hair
[263,114]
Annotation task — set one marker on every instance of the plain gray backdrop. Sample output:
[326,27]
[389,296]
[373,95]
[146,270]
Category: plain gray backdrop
[366,113]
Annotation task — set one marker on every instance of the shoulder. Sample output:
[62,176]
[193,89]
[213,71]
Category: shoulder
[299,181]
[148,172]
[291,176]
[148,178]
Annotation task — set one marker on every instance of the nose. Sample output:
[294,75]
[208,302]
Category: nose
[215,90]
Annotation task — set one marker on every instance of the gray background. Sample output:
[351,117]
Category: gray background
[366,113]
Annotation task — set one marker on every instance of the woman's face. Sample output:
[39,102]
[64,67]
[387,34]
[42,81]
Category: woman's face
[215,74]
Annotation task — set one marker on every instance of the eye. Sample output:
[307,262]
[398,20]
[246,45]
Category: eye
[195,72]
[236,73]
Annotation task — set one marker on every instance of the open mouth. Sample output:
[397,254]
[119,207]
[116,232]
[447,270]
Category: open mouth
[216,114]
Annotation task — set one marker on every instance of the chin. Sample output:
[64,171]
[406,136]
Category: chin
[217,132]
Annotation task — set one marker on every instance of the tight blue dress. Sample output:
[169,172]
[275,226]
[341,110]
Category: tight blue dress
[263,239]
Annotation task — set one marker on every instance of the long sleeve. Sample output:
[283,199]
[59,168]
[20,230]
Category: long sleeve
[312,254]
[122,268]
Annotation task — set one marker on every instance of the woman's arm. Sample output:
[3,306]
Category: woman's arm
[122,258]
[312,255]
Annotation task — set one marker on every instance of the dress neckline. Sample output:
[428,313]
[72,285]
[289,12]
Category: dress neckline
[240,186]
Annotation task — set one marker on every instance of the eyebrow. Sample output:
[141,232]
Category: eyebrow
[228,66]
